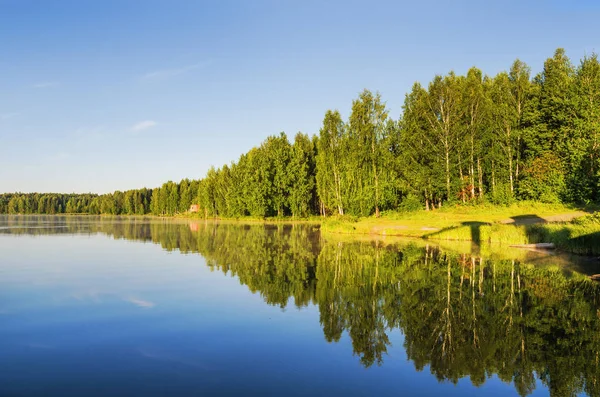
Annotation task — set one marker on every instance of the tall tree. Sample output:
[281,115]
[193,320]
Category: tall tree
[278,152]
[584,145]
[443,112]
[504,119]
[420,159]
[473,102]
[330,157]
[521,90]
[367,130]
[301,172]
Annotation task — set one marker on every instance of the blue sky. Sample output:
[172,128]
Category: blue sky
[97,96]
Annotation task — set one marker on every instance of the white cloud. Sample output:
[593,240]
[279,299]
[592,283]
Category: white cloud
[141,303]
[158,74]
[46,84]
[143,125]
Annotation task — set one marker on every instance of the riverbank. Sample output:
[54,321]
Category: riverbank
[570,229]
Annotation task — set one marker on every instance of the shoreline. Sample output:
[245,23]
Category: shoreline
[569,229]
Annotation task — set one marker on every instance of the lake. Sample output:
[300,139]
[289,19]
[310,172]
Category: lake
[94,306]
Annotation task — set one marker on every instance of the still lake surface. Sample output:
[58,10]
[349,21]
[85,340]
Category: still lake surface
[147,307]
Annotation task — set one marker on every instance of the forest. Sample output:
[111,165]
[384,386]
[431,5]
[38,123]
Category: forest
[468,138]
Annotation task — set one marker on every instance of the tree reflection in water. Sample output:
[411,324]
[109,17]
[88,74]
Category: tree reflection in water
[461,314]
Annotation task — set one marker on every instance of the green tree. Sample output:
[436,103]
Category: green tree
[330,163]
[301,174]
[367,133]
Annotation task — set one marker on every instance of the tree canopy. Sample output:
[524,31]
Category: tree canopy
[468,138]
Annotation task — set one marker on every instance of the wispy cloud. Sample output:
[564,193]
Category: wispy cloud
[164,73]
[47,84]
[6,116]
[143,125]
[141,303]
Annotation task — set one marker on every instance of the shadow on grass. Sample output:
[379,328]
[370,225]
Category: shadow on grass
[458,232]
[528,229]
[475,231]
[588,244]
[529,219]
[563,239]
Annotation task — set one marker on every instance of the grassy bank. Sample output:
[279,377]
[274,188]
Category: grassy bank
[576,237]
[250,219]
[422,223]
[571,229]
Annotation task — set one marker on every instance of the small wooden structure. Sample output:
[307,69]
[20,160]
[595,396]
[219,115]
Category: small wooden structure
[194,208]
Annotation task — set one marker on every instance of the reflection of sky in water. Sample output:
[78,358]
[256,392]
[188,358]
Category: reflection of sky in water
[89,315]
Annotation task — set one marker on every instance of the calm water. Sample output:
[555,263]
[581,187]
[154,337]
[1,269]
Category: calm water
[117,307]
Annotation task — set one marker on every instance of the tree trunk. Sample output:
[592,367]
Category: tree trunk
[375,176]
[480,175]
[376,191]
[460,169]
[338,193]
[510,169]
[472,168]
[447,173]
[518,158]
[510,158]
[493,177]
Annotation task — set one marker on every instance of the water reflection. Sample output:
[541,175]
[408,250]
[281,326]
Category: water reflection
[471,314]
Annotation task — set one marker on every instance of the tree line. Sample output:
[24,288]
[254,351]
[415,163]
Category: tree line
[460,138]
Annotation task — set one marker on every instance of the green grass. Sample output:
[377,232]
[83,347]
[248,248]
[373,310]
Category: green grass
[249,219]
[567,227]
[580,236]
[489,233]
[422,223]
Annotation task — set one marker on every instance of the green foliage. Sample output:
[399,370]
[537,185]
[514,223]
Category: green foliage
[302,176]
[410,203]
[502,195]
[46,203]
[460,139]
[331,151]
[592,219]
[543,179]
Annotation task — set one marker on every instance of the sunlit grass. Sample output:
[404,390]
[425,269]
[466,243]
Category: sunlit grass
[535,223]
[422,223]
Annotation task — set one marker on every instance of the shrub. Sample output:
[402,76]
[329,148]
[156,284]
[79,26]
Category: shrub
[411,203]
[503,195]
[543,180]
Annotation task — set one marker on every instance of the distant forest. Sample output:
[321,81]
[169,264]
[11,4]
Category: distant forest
[471,138]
